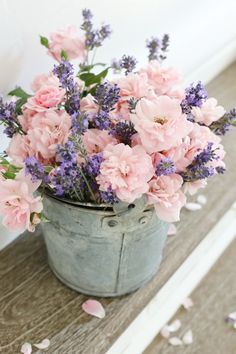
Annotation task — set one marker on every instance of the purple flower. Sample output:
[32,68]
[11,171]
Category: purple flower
[124,131]
[107,95]
[222,125]
[200,167]
[93,37]
[92,166]
[34,168]
[165,167]
[194,97]
[102,120]
[8,117]
[108,196]
[128,63]
[158,48]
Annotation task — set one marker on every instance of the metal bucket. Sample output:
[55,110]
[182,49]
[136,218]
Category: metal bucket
[103,251]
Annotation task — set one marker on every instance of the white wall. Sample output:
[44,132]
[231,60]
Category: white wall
[203,34]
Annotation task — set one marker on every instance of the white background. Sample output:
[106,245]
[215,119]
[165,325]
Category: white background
[199,30]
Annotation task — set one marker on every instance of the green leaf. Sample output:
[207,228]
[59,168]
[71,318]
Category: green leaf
[64,55]
[90,67]
[9,175]
[19,92]
[90,78]
[44,41]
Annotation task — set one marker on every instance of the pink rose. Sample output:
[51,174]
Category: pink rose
[88,104]
[19,148]
[160,78]
[126,170]
[132,86]
[68,40]
[193,187]
[17,202]
[96,140]
[166,195]
[48,130]
[160,123]
[197,140]
[26,119]
[45,80]
[209,112]
[46,97]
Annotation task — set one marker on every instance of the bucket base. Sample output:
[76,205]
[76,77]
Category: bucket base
[99,293]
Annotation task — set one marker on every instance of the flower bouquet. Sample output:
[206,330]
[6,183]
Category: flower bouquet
[111,160]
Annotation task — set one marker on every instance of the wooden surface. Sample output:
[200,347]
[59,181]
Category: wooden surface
[35,305]
[213,300]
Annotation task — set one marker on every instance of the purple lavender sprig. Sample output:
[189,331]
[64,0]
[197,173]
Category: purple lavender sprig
[195,95]
[158,48]
[8,117]
[34,168]
[108,196]
[107,95]
[222,125]
[199,168]
[93,37]
[165,167]
[123,131]
[127,62]
[65,73]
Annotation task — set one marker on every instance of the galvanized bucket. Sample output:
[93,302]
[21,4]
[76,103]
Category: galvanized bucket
[103,251]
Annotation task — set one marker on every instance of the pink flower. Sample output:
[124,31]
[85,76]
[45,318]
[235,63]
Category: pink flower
[166,195]
[26,119]
[209,112]
[132,86]
[193,187]
[46,97]
[96,140]
[44,132]
[87,104]
[45,80]
[160,78]
[126,170]
[197,140]
[68,40]
[48,130]
[17,202]
[160,123]
[19,148]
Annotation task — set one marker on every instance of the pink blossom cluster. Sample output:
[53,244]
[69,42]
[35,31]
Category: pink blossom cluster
[161,131]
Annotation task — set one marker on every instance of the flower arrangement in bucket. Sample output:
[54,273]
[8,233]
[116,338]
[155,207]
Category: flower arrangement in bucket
[111,160]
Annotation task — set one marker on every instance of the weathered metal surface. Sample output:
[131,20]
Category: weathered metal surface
[103,253]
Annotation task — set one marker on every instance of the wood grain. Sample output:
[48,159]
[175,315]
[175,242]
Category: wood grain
[35,305]
[213,300]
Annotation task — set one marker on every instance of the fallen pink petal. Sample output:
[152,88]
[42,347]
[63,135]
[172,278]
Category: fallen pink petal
[193,206]
[175,341]
[174,326]
[202,199]
[94,308]
[26,348]
[42,345]
[165,333]
[172,230]
[187,303]
[188,337]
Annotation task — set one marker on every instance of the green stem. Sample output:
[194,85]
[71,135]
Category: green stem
[88,186]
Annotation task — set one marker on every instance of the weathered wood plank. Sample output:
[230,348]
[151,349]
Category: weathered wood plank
[34,305]
[213,300]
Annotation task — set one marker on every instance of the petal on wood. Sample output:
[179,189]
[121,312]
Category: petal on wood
[202,199]
[187,303]
[232,316]
[94,308]
[188,337]
[165,333]
[193,206]
[26,348]
[172,230]
[174,326]
[175,341]
[42,345]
